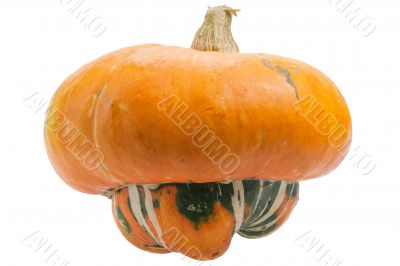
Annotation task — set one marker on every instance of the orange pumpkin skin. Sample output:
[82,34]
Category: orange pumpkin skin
[268,110]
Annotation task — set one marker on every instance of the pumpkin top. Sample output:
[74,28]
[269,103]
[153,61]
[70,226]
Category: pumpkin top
[154,114]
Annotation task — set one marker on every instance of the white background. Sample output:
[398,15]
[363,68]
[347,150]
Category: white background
[352,214]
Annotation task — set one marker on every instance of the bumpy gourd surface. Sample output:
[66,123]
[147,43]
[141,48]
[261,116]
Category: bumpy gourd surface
[199,220]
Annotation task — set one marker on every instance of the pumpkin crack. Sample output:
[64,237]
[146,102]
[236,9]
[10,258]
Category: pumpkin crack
[285,73]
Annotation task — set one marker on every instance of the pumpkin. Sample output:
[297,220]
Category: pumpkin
[193,145]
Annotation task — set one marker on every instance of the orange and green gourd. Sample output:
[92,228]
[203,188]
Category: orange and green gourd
[155,128]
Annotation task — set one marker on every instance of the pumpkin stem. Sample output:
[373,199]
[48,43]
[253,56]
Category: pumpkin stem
[215,33]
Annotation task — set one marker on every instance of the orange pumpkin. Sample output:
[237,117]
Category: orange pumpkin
[147,123]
